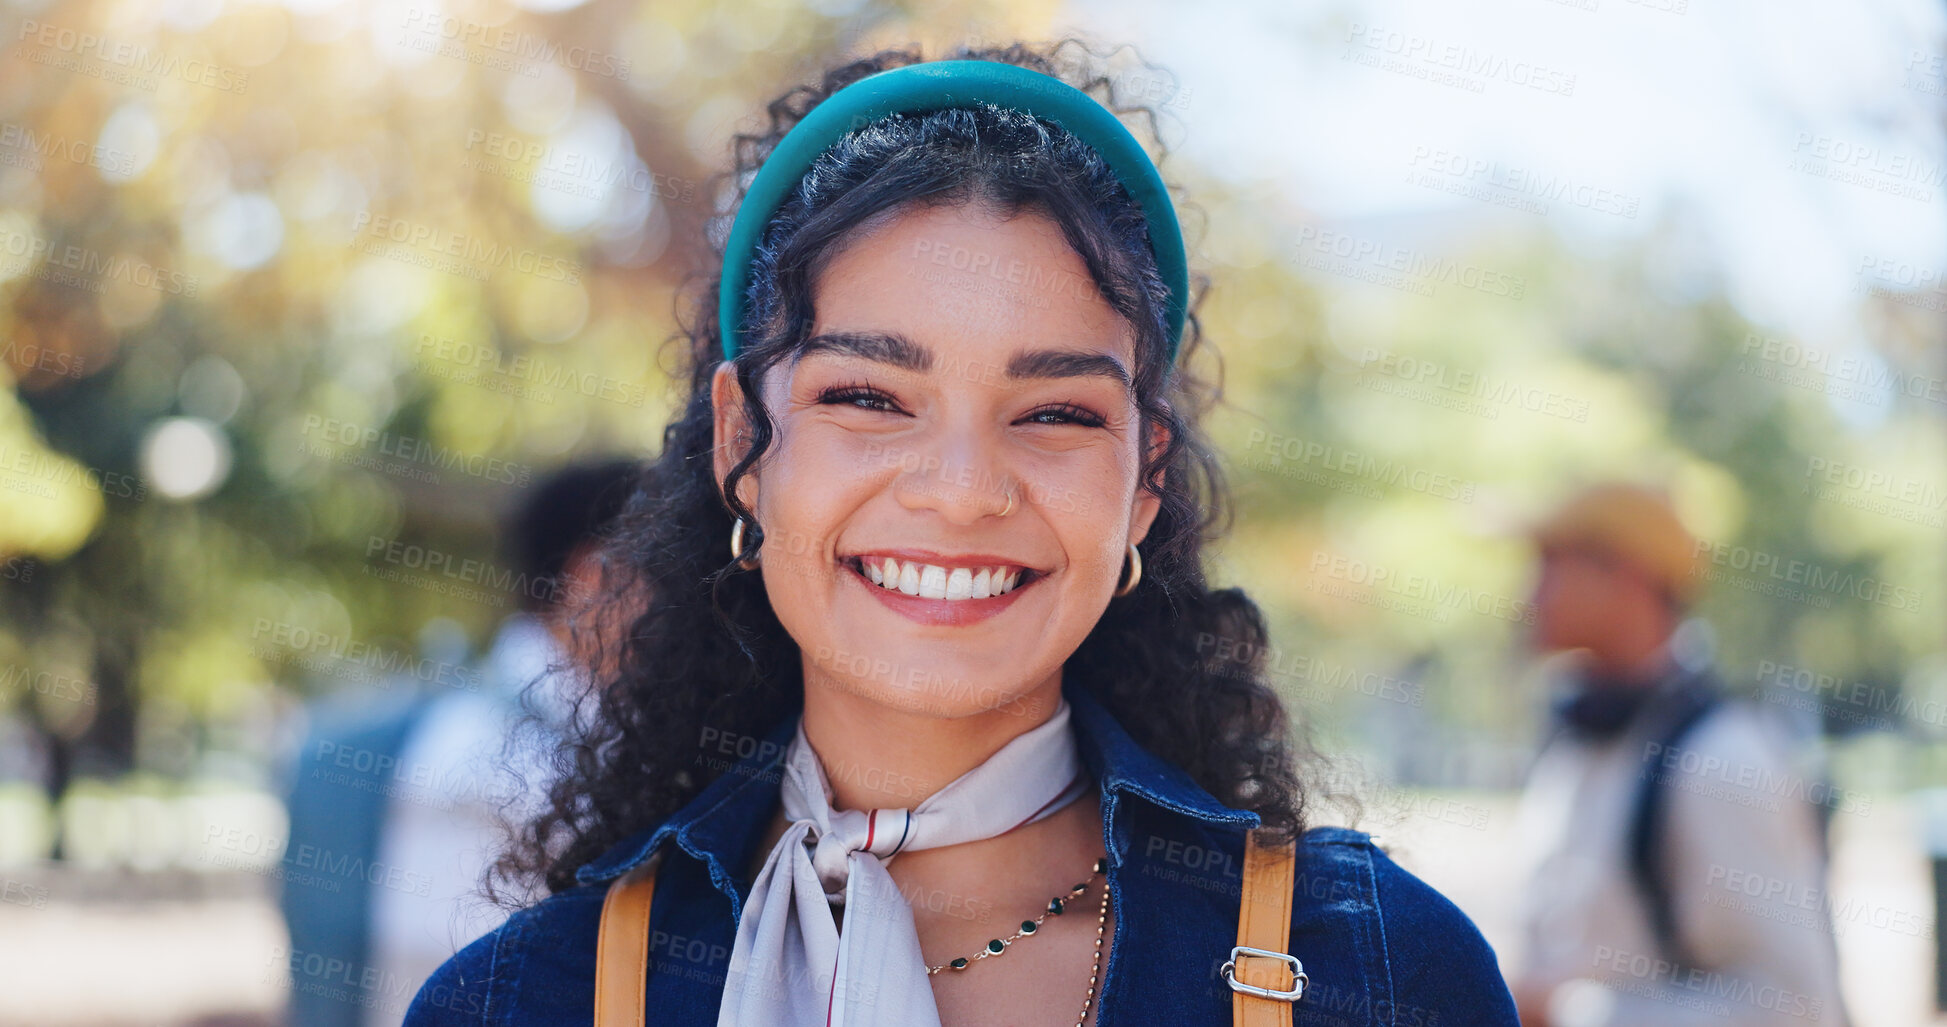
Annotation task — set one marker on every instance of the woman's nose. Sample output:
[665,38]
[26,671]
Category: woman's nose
[961,478]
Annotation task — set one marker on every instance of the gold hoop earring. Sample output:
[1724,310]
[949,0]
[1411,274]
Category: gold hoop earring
[1135,571]
[737,546]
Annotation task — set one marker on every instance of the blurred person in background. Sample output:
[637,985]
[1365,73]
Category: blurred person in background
[436,816]
[1674,854]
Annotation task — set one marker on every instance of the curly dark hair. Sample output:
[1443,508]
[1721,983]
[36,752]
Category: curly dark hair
[683,643]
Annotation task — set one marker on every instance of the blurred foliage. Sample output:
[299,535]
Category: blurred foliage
[297,298]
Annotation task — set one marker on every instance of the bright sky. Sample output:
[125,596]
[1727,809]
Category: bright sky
[1803,137]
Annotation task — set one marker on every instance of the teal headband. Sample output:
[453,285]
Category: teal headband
[931,86]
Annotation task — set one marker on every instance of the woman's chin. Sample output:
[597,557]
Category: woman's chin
[925,687]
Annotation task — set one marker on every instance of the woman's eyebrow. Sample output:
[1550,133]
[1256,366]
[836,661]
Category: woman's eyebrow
[882,347]
[1062,363]
[901,352]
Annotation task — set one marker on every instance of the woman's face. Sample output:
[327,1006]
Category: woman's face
[956,360]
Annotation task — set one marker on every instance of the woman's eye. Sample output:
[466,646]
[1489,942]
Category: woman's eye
[867,398]
[863,398]
[1066,413]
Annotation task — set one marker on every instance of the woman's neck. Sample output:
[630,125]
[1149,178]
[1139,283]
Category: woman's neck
[879,756]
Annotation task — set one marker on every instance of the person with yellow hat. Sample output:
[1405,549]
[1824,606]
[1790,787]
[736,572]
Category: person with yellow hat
[1658,802]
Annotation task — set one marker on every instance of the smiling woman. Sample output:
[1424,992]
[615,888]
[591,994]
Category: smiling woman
[959,684]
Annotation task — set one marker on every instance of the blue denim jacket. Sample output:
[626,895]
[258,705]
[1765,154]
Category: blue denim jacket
[1379,945]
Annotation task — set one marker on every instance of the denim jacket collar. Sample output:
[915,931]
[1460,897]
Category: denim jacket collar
[727,818]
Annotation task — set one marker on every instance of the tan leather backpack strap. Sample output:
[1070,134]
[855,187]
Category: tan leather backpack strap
[622,948]
[1264,979]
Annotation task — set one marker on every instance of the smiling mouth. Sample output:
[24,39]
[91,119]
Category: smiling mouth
[932,581]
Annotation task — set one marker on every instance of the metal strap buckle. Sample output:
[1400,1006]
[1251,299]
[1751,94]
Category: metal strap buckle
[1299,980]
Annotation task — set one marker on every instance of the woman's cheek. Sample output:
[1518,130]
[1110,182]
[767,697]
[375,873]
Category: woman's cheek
[1063,499]
[794,507]
[844,453]
[1072,485]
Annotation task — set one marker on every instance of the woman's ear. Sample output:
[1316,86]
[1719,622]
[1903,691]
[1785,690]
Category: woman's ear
[1148,504]
[732,432]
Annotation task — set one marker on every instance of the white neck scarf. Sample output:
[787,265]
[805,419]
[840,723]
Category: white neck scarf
[792,966]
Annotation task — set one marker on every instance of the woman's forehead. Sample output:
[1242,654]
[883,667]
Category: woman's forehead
[964,283]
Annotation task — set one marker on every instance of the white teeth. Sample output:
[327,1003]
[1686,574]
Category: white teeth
[929,581]
[932,582]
